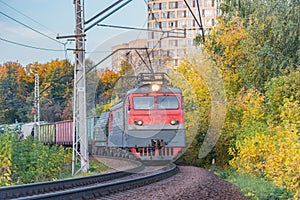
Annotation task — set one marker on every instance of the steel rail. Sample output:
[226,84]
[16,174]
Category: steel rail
[27,190]
[103,190]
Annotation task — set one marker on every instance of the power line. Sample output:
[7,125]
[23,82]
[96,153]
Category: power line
[103,18]
[29,46]
[145,29]
[195,18]
[92,52]
[30,28]
[26,16]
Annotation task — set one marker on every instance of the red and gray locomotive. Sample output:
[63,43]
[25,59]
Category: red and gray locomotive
[149,119]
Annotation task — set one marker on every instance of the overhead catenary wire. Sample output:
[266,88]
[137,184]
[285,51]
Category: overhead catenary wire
[29,46]
[149,67]
[115,10]
[35,21]
[31,28]
[200,20]
[120,49]
[199,23]
[139,29]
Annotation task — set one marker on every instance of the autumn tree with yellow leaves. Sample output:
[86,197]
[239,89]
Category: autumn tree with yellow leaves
[256,46]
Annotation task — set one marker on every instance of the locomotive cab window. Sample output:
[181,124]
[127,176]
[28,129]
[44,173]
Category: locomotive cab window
[167,102]
[143,103]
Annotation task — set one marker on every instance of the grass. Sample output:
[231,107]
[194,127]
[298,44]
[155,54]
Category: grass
[255,187]
[96,167]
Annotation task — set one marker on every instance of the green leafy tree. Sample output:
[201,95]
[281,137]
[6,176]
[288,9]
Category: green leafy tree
[273,42]
[255,41]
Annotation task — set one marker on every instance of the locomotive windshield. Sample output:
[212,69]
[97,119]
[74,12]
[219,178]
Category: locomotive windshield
[143,102]
[163,102]
[167,102]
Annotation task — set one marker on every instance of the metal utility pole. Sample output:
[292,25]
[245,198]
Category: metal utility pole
[36,107]
[80,137]
[80,143]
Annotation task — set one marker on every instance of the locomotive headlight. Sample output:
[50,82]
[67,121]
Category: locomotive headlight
[138,122]
[174,122]
[155,87]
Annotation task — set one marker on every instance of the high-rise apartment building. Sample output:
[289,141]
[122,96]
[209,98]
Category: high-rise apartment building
[172,30]
[175,28]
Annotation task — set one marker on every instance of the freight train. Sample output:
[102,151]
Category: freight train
[148,122]
[49,133]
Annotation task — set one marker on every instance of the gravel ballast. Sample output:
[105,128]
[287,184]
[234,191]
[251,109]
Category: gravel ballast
[190,183]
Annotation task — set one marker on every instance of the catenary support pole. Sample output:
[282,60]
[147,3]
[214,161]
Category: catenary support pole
[80,143]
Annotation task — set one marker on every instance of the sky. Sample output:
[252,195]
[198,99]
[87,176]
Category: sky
[28,29]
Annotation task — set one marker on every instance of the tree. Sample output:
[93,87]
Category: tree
[14,92]
[106,85]
[61,91]
[273,42]
[56,88]
[256,41]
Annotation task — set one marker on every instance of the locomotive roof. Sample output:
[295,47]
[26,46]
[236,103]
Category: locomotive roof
[147,88]
[143,85]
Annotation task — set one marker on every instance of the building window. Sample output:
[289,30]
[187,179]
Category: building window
[164,53]
[208,13]
[172,15]
[180,23]
[189,23]
[181,14]
[163,44]
[172,43]
[189,14]
[157,25]
[189,42]
[191,3]
[210,22]
[172,53]
[180,4]
[188,33]
[156,15]
[157,35]
[163,5]
[172,24]
[209,3]
[181,43]
[172,5]
[156,6]
[164,15]
[200,3]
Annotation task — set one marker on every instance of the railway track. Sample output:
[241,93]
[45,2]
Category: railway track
[91,187]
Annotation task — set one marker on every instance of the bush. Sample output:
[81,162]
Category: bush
[28,161]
